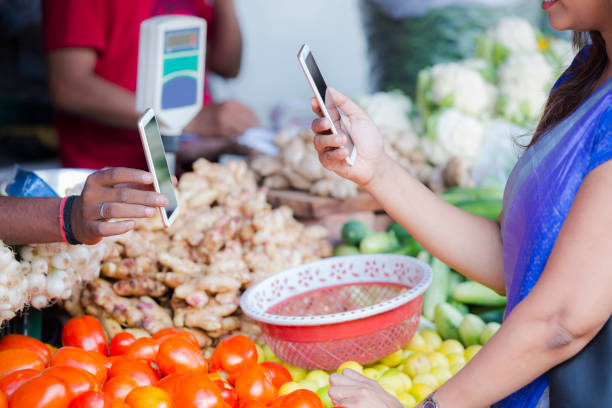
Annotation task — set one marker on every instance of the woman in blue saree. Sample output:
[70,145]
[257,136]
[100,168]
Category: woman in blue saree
[550,252]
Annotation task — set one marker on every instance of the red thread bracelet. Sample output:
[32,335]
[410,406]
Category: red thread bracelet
[61,219]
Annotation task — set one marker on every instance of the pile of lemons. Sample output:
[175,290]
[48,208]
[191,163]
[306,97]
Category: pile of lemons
[409,374]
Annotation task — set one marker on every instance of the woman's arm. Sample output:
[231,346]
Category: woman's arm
[25,220]
[225,50]
[569,305]
[470,244]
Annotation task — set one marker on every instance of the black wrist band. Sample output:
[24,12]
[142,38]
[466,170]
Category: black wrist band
[67,221]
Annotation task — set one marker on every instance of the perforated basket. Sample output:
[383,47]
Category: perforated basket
[360,308]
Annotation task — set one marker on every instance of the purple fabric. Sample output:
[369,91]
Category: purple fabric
[538,198]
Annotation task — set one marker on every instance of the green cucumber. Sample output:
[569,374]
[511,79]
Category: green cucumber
[438,291]
[342,250]
[378,242]
[454,280]
[489,330]
[458,194]
[447,320]
[353,232]
[463,308]
[495,316]
[400,232]
[424,256]
[487,208]
[473,293]
[470,329]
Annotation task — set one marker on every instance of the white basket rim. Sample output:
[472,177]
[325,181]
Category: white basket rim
[247,303]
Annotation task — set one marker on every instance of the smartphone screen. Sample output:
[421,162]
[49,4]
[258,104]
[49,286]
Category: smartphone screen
[160,164]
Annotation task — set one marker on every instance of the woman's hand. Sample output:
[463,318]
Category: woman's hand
[353,390]
[113,193]
[361,128]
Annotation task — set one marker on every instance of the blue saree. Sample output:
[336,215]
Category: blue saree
[538,198]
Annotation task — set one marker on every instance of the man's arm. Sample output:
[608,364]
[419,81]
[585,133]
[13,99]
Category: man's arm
[225,48]
[76,88]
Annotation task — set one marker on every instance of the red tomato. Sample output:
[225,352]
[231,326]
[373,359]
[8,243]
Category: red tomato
[197,391]
[168,383]
[148,397]
[138,370]
[19,359]
[86,333]
[179,356]
[18,341]
[78,380]
[252,404]
[278,373]
[82,359]
[119,387]
[228,393]
[11,382]
[174,332]
[120,343]
[277,402]
[254,383]
[92,399]
[119,404]
[45,391]
[144,347]
[3,400]
[233,354]
[302,399]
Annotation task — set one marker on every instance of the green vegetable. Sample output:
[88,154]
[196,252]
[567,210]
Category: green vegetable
[402,235]
[403,250]
[353,232]
[489,330]
[495,315]
[447,320]
[438,291]
[454,280]
[456,195]
[473,293]
[463,308]
[424,256]
[378,242]
[342,250]
[470,329]
[487,208]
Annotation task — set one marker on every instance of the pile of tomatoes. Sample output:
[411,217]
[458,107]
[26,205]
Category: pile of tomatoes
[164,371]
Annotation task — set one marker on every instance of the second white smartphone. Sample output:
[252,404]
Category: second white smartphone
[158,165]
[319,88]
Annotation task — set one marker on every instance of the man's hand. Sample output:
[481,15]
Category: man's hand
[353,390]
[113,193]
[228,119]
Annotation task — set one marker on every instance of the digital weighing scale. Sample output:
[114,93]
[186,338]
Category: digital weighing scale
[171,61]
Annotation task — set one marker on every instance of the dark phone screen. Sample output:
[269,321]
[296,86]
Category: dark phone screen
[316,76]
[162,172]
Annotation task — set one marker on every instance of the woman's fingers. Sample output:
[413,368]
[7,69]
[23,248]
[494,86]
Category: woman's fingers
[354,375]
[315,107]
[323,143]
[331,158]
[120,175]
[344,103]
[321,126]
[121,210]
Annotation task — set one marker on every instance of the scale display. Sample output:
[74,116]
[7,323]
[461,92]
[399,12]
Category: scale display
[180,72]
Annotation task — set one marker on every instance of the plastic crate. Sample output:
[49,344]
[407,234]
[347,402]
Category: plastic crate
[28,323]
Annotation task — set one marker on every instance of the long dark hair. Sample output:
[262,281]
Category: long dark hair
[581,82]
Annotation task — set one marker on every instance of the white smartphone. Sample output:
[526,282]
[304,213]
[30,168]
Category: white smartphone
[319,88]
[158,165]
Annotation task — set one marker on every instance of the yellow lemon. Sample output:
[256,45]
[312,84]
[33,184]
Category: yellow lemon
[381,368]
[260,354]
[427,378]
[289,387]
[389,390]
[353,365]
[443,374]
[471,351]
[451,346]
[456,367]
[432,338]
[309,385]
[269,354]
[407,400]
[297,373]
[406,353]
[319,377]
[420,391]
[396,381]
[438,359]
[456,358]
[371,373]
[418,344]
[393,360]
[417,364]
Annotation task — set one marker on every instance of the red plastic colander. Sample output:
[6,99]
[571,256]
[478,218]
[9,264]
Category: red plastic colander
[359,308]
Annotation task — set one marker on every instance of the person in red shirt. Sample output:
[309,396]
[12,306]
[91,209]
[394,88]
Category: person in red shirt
[92,49]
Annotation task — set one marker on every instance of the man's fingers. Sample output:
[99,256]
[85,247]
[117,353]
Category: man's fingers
[354,375]
[321,125]
[120,210]
[120,175]
[344,103]
[323,143]
[134,196]
[315,107]
[107,229]
[331,158]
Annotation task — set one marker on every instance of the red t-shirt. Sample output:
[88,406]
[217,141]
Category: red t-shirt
[112,28]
